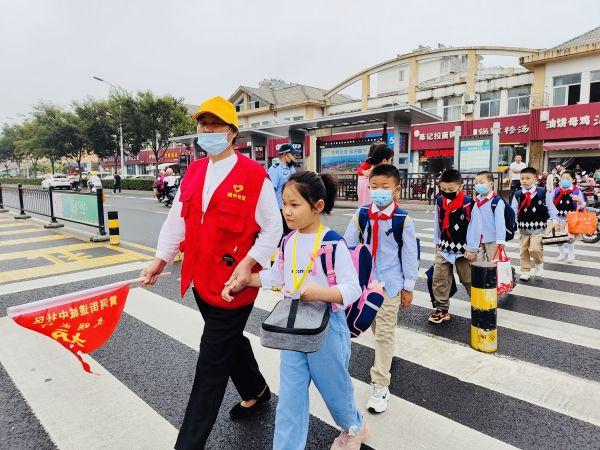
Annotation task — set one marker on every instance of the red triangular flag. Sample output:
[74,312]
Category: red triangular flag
[81,322]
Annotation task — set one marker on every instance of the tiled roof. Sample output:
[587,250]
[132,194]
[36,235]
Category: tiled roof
[591,37]
[291,93]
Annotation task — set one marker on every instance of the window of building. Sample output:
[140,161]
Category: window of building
[401,75]
[239,106]
[266,122]
[489,104]
[298,118]
[567,89]
[452,109]
[255,104]
[254,124]
[595,86]
[518,100]
[429,106]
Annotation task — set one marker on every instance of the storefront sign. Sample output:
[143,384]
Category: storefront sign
[568,122]
[444,153]
[474,154]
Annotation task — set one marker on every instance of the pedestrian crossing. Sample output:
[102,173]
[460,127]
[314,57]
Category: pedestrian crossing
[540,390]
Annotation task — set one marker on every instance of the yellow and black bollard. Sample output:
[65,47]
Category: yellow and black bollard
[484,304]
[113,227]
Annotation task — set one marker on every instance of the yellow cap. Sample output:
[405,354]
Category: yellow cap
[220,107]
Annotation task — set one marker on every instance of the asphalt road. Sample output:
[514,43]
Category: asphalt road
[541,390]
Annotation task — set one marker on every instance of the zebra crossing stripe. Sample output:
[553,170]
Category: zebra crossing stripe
[551,329]
[185,325]
[78,411]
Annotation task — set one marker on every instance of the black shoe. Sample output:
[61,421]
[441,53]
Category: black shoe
[239,412]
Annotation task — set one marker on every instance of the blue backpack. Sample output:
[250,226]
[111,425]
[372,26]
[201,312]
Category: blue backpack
[510,218]
[399,217]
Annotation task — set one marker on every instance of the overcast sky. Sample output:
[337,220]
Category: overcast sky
[50,49]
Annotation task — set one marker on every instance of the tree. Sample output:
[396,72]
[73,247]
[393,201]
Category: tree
[149,122]
[50,120]
[8,150]
[98,126]
[30,143]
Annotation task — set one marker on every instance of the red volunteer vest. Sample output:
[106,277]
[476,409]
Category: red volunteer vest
[227,228]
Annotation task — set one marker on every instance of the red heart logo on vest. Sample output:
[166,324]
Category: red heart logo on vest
[238,188]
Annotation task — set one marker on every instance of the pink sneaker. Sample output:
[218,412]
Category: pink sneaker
[351,442]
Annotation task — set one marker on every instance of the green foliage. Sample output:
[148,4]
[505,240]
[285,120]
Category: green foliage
[24,181]
[129,184]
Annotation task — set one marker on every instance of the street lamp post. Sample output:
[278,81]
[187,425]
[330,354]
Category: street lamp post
[117,88]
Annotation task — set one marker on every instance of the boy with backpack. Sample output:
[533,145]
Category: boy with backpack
[390,233]
[533,207]
[498,223]
[457,234]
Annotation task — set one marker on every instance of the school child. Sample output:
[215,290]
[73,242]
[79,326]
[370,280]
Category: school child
[457,233]
[396,267]
[379,153]
[305,197]
[567,198]
[493,223]
[533,207]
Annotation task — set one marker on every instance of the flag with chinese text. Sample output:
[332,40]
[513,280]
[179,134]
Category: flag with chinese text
[81,322]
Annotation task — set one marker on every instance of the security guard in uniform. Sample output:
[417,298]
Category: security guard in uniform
[281,171]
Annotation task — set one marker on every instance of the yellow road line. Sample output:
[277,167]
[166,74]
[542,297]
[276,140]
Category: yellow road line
[54,269]
[43,252]
[31,240]
[140,246]
[13,224]
[25,230]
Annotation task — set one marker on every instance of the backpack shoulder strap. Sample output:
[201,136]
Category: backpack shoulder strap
[495,200]
[284,241]
[327,254]
[363,224]
[398,220]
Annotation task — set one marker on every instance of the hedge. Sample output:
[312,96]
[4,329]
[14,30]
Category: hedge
[130,184]
[24,181]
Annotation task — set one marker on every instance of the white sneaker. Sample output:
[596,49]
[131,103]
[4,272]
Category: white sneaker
[539,271]
[378,401]
[524,276]
[353,442]
[571,258]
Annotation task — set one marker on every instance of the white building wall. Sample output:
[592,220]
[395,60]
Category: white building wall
[389,80]
[290,113]
[579,65]
[430,68]
[344,108]
[260,118]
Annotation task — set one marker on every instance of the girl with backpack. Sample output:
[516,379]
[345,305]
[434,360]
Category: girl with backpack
[300,273]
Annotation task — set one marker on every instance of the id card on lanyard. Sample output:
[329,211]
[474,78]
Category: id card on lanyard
[297,283]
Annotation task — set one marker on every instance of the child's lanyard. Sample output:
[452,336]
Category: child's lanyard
[297,283]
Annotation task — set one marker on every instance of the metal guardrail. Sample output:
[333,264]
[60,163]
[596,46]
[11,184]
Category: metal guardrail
[417,186]
[77,207]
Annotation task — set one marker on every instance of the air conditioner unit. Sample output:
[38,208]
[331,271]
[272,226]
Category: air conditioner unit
[467,109]
[469,97]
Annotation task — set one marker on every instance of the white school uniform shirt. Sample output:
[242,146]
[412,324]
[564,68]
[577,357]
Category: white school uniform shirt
[493,225]
[580,204]
[267,216]
[346,276]
[387,268]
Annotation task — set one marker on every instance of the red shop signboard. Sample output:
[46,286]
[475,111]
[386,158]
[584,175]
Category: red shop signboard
[566,122]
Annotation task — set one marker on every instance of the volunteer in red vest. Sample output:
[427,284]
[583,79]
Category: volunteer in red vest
[226,220]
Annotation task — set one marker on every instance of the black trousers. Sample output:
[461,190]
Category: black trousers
[515,185]
[117,187]
[224,353]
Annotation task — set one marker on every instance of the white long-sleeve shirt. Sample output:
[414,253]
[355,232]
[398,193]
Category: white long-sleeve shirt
[493,225]
[267,216]
[345,274]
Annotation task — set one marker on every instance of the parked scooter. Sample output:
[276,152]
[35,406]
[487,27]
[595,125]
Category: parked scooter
[170,195]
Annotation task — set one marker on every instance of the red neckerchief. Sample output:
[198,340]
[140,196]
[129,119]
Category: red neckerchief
[454,205]
[562,192]
[486,199]
[527,201]
[376,217]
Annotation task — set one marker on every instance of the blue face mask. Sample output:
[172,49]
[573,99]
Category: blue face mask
[213,143]
[381,197]
[482,188]
[566,184]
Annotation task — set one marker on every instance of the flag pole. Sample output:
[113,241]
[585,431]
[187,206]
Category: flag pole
[60,299]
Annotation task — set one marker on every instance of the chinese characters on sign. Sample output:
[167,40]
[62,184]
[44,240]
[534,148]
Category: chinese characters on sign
[574,121]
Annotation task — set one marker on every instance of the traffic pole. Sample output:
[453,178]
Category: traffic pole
[484,304]
[113,228]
